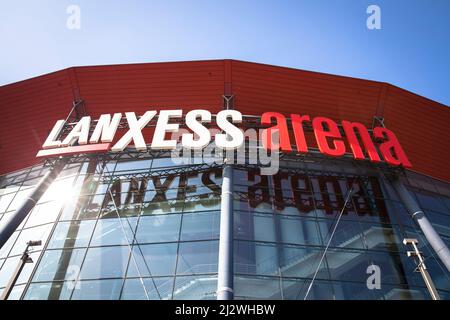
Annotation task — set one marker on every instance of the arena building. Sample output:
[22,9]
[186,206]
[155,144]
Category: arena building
[93,204]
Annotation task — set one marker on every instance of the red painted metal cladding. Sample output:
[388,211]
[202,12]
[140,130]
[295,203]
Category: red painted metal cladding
[30,108]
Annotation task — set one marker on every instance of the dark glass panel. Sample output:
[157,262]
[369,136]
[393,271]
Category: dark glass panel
[255,288]
[198,257]
[200,226]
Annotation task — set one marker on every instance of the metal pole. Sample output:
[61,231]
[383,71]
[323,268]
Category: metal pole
[417,214]
[24,259]
[8,228]
[422,268]
[225,272]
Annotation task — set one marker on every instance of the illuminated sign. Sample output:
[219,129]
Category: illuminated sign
[331,139]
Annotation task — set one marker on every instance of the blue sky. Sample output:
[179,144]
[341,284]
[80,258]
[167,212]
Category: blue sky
[412,50]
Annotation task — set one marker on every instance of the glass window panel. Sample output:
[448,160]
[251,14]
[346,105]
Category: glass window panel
[7,269]
[302,262]
[259,227]
[299,231]
[91,184]
[198,257]
[401,292]
[129,210]
[201,287]
[200,226]
[171,181]
[399,214]
[380,237]
[98,290]
[353,291]
[157,289]
[256,288]
[10,265]
[352,265]
[153,260]
[114,232]
[436,269]
[264,228]
[163,207]
[44,213]
[60,265]
[441,222]
[32,234]
[348,233]
[240,177]
[290,210]
[159,228]
[7,215]
[141,165]
[16,292]
[58,190]
[72,234]
[297,290]
[33,179]
[106,262]
[211,202]
[86,207]
[255,258]
[7,246]
[163,162]
[69,170]
[434,203]
[49,291]
[19,198]
[5,200]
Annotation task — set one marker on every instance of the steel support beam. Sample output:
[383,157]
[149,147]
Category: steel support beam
[225,270]
[418,215]
[13,222]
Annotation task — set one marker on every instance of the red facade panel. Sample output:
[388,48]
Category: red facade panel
[31,107]
[421,125]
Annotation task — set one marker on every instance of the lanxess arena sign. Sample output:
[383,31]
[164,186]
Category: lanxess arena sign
[382,145]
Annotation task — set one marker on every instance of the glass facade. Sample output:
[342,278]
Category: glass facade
[149,229]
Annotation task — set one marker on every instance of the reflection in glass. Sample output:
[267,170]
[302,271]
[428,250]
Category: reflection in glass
[302,262]
[59,265]
[198,257]
[206,202]
[134,290]
[153,260]
[98,290]
[255,258]
[49,291]
[44,213]
[158,228]
[10,265]
[257,288]
[202,287]
[114,232]
[35,234]
[297,290]
[16,292]
[72,234]
[106,262]
[200,226]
